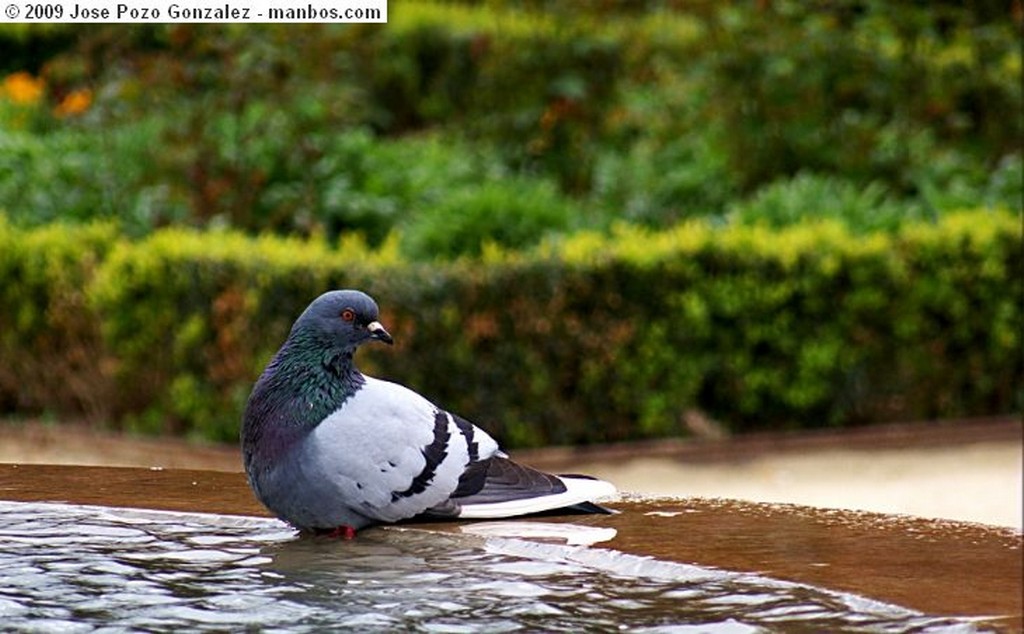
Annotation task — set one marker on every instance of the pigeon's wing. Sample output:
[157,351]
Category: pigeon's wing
[509,489]
[498,487]
[493,486]
[390,454]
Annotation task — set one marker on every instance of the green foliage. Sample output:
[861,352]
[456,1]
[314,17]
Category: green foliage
[806,198]
[537,87]
[641,112]
[589,339]
[946,185]
[659,183]
[181,312]
[450,200]
[52,354]
[27,47]
[508,213]
[798,169]
[895,72]
[1005,186]
[71,175]
[648,112]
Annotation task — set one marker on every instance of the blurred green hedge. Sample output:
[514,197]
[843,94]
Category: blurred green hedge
[595,338]
[651,111]
[51,351]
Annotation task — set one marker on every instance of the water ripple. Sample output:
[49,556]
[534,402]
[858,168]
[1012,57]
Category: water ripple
[82,569]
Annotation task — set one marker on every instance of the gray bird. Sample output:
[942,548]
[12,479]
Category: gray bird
[328,449]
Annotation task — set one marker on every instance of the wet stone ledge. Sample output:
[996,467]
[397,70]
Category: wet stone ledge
[937,567]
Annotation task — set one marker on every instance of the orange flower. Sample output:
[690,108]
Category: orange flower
[23,88]
[76,102]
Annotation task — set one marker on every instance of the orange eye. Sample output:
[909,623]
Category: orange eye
[348,314]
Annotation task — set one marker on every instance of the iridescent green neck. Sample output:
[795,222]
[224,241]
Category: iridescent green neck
[305,382]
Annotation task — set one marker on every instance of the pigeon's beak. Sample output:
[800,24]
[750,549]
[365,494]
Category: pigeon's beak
[379,333]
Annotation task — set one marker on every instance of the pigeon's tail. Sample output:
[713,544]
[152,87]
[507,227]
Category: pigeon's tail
[498,487]
[577,497]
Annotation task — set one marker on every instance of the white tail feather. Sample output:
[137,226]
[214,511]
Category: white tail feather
[577,490]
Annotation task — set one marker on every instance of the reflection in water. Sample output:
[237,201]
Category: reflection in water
[549,532]
[79,568]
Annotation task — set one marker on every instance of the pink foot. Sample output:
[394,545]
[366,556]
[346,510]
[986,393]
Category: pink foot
[342,532]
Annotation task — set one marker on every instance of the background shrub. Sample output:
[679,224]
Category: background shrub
[86,178]
[52,356]
[191,318]
[896,73]
[806,198]
[649,112]
[512,213]
[607,214]
[589,339]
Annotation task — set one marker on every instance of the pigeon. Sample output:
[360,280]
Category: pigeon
[331,450]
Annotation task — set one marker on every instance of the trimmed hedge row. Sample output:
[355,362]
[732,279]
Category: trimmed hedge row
[51,352]
[592,339]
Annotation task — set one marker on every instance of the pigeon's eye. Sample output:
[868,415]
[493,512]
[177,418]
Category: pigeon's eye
[348,314]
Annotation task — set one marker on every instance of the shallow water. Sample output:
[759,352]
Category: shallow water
[84,568]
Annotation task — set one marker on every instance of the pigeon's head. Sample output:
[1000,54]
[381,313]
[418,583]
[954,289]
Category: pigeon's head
[345,319]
